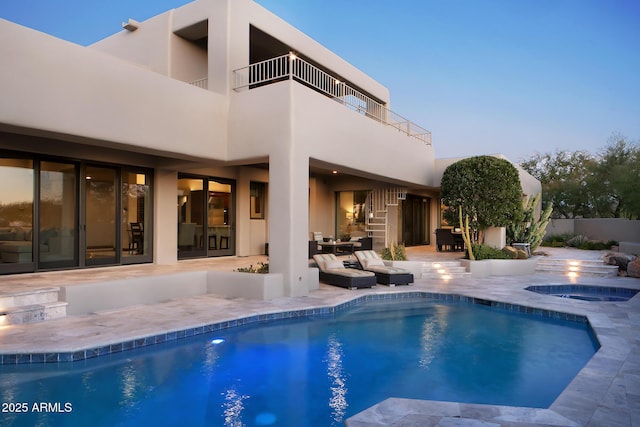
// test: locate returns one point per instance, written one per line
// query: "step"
(443, 270)
(30, 297)
(573, 267)
(33, 313)
(35, 305)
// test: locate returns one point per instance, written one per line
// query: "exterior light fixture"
(292, 56)
(131, 25)
(334, 172)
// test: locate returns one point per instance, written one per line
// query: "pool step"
(576, 267)
(443, 270)
(31, 306)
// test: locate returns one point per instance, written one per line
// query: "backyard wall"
(605, 229)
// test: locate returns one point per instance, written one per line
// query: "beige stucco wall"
(60, 88)
(261, 118)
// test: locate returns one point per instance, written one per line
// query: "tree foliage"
(565, 178)
(486, 188)
(582, 185)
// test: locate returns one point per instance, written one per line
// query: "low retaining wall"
(630, 248)
(500, 267)
(112, 294)
(234, 284)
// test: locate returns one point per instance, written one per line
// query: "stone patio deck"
(605, 393)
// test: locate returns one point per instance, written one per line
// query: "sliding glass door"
(136, 208)
(62, 214)
(101, 241)
(16, 215)
(206, 218)
(58, 215)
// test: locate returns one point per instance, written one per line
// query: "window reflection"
(136, 208)
(57, 211)
(16, 211)
(351, 216)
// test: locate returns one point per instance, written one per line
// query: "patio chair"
(136, 238)
(387, 275)
(444, 239)
(363, 243)
(333, 272)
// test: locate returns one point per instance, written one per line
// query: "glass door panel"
(16, 215)
(136, 215)
(220, 219)
(191, 217)
(58, 207)
(100, 215)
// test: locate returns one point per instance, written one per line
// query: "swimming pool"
(314, 372)
(585, 292)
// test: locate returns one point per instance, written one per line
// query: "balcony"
(291, 67)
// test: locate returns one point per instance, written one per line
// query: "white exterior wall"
(125, 94)
(62, 88)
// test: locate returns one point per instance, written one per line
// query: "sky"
(516, 77)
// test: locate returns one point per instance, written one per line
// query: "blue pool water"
(311, 372)
(586, 292)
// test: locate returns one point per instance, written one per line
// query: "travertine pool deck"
(605, 393)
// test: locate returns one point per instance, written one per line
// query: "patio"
(606, 392)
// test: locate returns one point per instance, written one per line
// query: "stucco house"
(209, 130)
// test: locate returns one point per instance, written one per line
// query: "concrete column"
(243, 223)
(289, 219)
(165, 217)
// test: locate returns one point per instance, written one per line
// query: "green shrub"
(394, 252)
(577, 241)
(262, 268)
(487, 252)
(557, 240)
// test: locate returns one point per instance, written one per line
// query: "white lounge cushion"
(387, 270)
(371, 262)
(333, 264)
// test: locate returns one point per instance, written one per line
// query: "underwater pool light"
(217, 341)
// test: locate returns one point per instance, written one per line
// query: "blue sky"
(485, 76)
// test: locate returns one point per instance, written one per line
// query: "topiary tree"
(485, 188)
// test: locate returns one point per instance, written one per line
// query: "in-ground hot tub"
(585, 292)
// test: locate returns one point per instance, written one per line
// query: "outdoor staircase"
(377, 213)
(31, 306)
(576, 267)
(443, 270)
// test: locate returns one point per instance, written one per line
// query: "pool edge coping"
(76, 355)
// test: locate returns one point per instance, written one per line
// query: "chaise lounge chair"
(370, 261)
(333, 272)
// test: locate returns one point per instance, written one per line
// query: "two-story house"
(208, 130)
